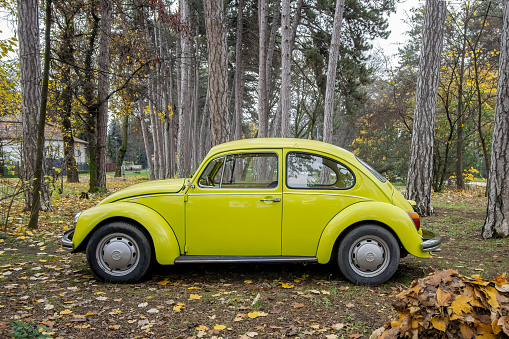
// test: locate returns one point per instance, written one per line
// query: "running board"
(199, 259)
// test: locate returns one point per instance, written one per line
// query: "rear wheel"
(119, 252)
(368, 254)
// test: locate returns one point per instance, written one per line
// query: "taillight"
(415, 219)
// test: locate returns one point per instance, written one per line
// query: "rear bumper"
(66, 240)
(431, 241)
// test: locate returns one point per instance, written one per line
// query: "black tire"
(368, 254)
(119, 252)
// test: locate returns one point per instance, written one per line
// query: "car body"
(257, 200)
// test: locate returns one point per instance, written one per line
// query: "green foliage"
(22, 329)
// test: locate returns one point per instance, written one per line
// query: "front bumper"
(66, 240)
(431, 241)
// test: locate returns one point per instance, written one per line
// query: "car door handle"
(274, 200)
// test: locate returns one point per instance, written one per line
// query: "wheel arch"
(158, 231)
(388, 216)
(350, 228)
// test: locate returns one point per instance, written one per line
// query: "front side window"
(211, 176)
(306, 170)
(250, 170)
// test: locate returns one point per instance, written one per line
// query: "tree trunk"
(103, 88)
(497, 212)
(38, 180)
(155, 139)
(123, 148)
(271, 48)
(328, 118)
(239, 85)
(218, 71)
(460, 115)
(281, 122)
(30, 67)
(67, 55)
(286, 76)
(196, 99)
(263, 104)
(419, 181)
(183, 156)
(146, 141)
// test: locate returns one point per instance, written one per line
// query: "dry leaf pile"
(447, 304)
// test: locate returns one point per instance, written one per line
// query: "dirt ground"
(42, 285)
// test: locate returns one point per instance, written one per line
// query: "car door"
(235, 206)
(317, 187)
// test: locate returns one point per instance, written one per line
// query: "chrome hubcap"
(117, 254)
(369, 256)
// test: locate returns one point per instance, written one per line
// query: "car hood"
(146, 188)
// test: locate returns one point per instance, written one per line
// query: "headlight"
(76, 217)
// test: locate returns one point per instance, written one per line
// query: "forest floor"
(43, 286)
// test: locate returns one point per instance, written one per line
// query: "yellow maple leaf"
(177, 308)
(438, 323)
(460, 304)
(219, 327)
(194, 297)
(202, 328)
(163, 282)
(491, 295)
(66, 311)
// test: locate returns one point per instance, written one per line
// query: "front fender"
(371, 211)
(165, 242)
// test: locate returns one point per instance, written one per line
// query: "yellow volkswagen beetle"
(256, 200)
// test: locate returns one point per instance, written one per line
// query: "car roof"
(304, 144)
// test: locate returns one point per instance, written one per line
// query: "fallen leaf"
(114, 327)
(194, 297)
(338, 326)
(163, 282)
(297, 305)
(286, 285)
(350, 305)
(66, 311)
(252, 315)
(438, 323)
(219, 327)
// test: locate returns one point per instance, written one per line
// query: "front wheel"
(119, 252)
(368, 254)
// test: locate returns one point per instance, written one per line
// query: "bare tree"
(497, 212)
(328, 118)
(419, 181)
(30, 66)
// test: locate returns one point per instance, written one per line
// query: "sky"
(397, 27)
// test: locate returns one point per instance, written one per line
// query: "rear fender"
(166, 245)
(364, 212)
